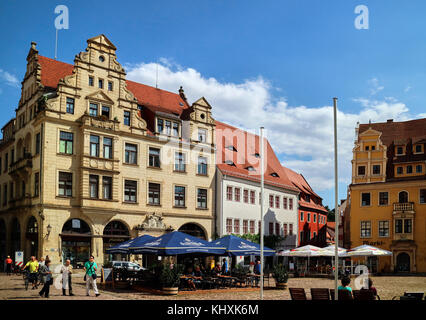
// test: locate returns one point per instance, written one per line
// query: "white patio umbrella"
(365, 251)
(330, 251)
(305, 251)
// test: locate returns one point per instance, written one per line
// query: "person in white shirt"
(66, 271)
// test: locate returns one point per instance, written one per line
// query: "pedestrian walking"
(66, 271)
(8, 265)
(32, 266)
(90, 268)
(47, 279)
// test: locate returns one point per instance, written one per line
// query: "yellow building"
(388, 194)
(93, 159)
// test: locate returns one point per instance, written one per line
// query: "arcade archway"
(193, 230)
(76, 239)
(114, 233)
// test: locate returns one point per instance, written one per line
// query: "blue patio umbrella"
(174, 243)
(236, 246)
(123, 247)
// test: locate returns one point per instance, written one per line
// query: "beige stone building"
(93, 159)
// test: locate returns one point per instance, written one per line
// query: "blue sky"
(281, 62)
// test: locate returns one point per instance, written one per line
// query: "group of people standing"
(39, 273)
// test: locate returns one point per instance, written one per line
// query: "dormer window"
(367, 148)
(160, 125)
(231, 148)
(230, 163)
(274, 174)
(250, 168)
(257, 155)
(176, 129)
(105, 111)
(308, 198)
(399, 150)
(418, 148)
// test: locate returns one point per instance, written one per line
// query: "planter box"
(121, 284)
(281, 286)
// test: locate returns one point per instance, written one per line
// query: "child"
(345, 284)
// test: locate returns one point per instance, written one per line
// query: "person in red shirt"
(8, 265)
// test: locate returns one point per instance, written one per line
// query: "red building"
(312, 214)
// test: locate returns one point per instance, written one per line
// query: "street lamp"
(49, 229)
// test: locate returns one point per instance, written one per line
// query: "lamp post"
(336, 205)
(261, 210)
(49, 229)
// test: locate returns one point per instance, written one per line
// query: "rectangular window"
(176, 129)
(285, 203)
(376, 169)
(70, 105)
(179, 196)
(202, 135)
(410, 169)
(399, 170)
(107, 188)
(94, 186)
(202, 166)
(277, 228)
(309, 217)
(271, 228)
(229, 194)
(12, 156)
(365, 229)
(237, 194)
(131, 153)
(93, 110)
(154, 157)
(5, 195)
(271, 201)
(408, 226)
(127, 118)
(277, 202)
(36, 184)
(285, 229)
(361, 170)
(245, 196)
(422, 195)
(290, 206)
(91, 81)
(6, 162)
(229, 226)
(94, 146)
(66, 142)
(383, 198)
(236, 226)
(398, 226)
(101, 83)
(419, 168)
(315, 217)
(245, 227)
(130, 190)
(202, 198)
(107, 148)
(180, 163)
(252, 196)
(365, 199)
(252, 231)
(168, 127)
(65, 184)
(109, 85)
(154, 193)
(399, 150)
(105, 112)
(302, 216)
(383, 228)
(160, 126)
(37, 144)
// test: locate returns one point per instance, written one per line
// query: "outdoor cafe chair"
(344, 295)
(320, 294)
(297, 294)
(417, 296)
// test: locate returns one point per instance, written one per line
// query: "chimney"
(390, 120)
(182, 94)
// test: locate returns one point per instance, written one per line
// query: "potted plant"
(280, 275)
(170, 278)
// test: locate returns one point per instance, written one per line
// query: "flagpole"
(261, 210)
(336, 200)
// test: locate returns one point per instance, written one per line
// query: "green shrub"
(280, 273)
(170, 277)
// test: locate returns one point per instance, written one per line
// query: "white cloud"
(407, 88)
(302, 135)
(375, 87)
(9, 78)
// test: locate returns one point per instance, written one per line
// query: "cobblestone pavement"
(12, 288)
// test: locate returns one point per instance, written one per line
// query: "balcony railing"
(403, 206)
(25, 162)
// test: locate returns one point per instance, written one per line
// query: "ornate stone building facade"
(93, 159)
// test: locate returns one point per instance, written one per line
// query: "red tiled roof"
(52, 71)
(247, 146)
(392, 131)
(154, 99)
(300, 182)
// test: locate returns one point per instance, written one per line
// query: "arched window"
(193, 230)
(76, 226)
(32, 226)
(403, 197)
